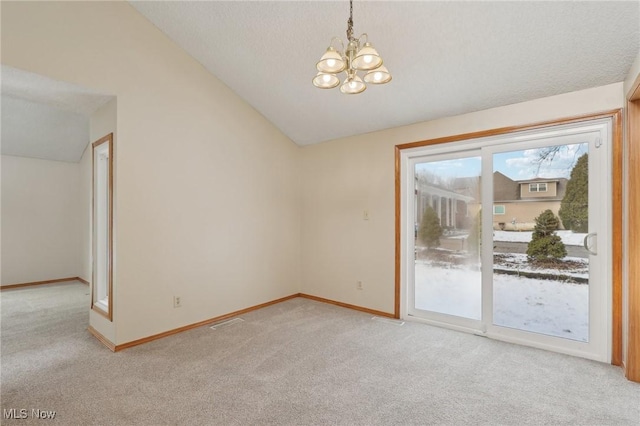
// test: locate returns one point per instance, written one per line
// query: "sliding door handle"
(591, 248)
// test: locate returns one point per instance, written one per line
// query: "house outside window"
(498, 209)
(538, 187)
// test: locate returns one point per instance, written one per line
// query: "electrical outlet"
(365, 215)
(359, 285)
(177, 301)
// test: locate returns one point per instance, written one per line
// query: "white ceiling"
(45, 118)
(446, 58)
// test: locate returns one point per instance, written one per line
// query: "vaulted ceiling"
(446, 58)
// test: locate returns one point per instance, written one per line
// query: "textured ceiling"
(446, 58)
(45, 118)
(35, 130)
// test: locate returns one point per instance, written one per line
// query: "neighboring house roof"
(539, 180)
(425, 187)
(504, 188)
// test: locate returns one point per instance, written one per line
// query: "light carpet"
(299, 362)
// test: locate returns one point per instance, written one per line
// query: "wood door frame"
(632, 167)
(108, 139)
(616, 236)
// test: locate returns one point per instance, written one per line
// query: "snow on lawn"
(543, 306)
(448, 290)
(568, 237)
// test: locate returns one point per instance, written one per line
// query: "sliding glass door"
(508, 238)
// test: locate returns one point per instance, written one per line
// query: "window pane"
(447, 221)
(540, 269)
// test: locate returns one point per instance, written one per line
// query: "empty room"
(320, 212)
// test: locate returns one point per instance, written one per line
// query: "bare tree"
(546, 155)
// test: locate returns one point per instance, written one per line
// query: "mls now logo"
(23, 413)
(14, 413)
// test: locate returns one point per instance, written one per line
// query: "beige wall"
(40, 215)
(344, 177)
(207, 197)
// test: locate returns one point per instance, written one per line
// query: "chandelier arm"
(338, 39)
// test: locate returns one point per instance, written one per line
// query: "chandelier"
(358, 56)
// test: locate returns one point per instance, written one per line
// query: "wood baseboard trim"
(83, 281)
(110, 345)
(58, 280)
(117, 348)
(200, 324)
(347, 305)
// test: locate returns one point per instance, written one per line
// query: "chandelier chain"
(350, 22)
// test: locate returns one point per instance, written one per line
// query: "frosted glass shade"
(379, 75)
(367, 58)
(331, 62)
(325, 81)
(352, 86)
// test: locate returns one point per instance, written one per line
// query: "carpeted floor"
(299, 362)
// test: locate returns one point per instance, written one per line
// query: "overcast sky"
(517, 165)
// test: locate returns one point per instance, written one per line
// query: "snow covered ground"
(549, 307)
(568, 237)
(453, 291)
(544, 306)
